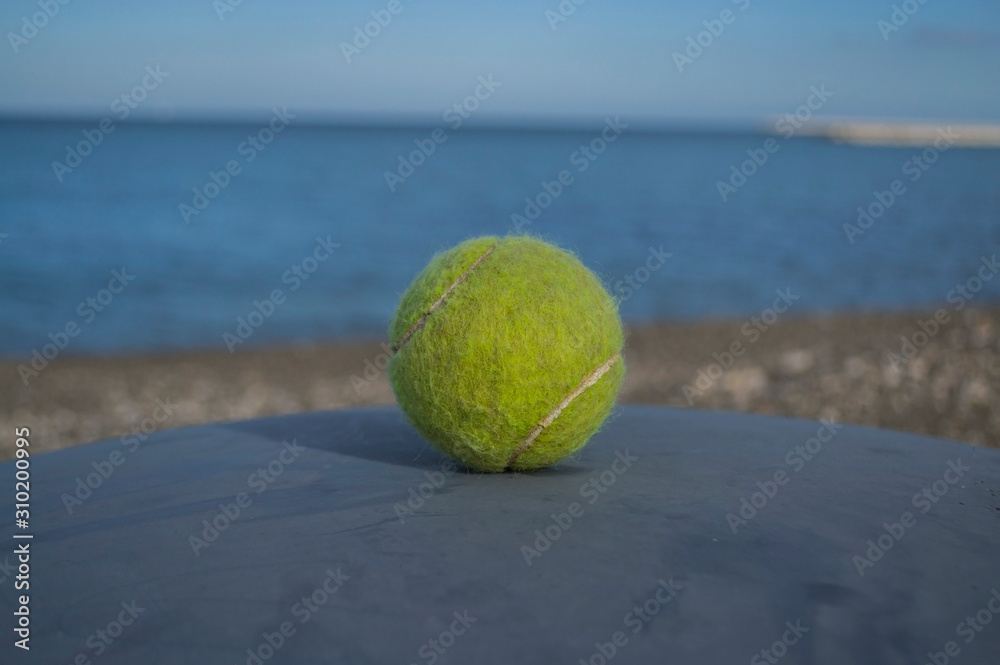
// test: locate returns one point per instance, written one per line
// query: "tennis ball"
(507, 353)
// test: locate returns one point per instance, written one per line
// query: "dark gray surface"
(664, 518)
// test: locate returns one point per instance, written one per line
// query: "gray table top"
(675, 536)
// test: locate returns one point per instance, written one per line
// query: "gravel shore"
(837, 367)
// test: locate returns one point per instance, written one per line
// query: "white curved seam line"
(588, 381)
(440, 301)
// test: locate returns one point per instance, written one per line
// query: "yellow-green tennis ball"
(507, 353)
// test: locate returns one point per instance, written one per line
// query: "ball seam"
(419, 323)
(588, 381)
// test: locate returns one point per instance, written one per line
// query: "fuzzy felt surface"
(514, 335)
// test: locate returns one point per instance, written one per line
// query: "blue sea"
(195, 244)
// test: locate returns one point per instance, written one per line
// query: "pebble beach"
(875, 369)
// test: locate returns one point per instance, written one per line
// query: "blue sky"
(607, 57)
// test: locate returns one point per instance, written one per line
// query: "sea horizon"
(741, 214)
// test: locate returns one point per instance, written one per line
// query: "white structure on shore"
(872, 133)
